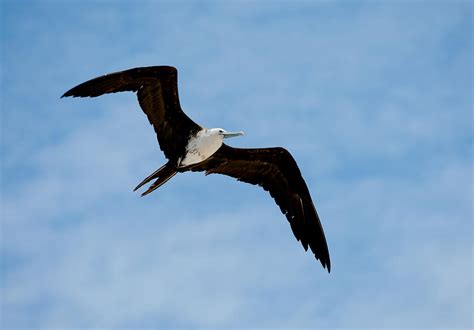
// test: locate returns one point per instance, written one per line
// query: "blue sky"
(373, 99)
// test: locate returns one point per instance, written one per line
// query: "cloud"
(97, 256)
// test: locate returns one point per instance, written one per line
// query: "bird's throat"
(200, 147)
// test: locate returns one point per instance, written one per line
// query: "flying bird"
(191, 147)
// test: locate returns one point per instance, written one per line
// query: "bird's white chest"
(201, 147)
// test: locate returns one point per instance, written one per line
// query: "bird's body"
(191, 147)
(203, 145)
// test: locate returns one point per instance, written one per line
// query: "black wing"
(276, 171)
(157, 92)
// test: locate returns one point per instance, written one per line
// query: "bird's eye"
(221, 131)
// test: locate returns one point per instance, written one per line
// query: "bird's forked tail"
(163, 174)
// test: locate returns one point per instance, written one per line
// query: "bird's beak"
(232, 134)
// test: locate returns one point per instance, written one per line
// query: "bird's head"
(223, 133)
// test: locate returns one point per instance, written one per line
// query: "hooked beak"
(232, 134)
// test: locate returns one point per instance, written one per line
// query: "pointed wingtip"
(325, 262)
(67, 94)
(74, 92)
(326, 265)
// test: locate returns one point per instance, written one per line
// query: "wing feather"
(157, 92)
(275, 170)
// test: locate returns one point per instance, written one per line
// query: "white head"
(223, 133)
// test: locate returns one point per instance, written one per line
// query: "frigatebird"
(191, 147)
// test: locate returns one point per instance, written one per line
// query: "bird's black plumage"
(157, 92)
(274, 169)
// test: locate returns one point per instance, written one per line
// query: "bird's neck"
(200, 147)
